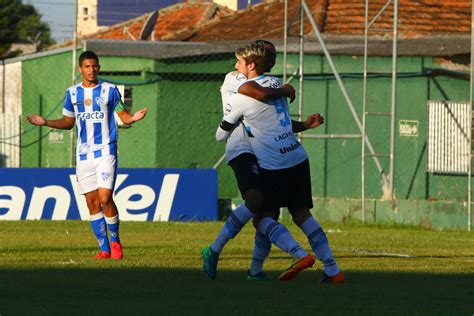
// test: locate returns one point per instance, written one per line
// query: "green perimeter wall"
(185, 109)
(45, 80)
(336, 163)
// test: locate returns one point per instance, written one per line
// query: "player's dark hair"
(88, 55)
(270, 54)
(265, 43)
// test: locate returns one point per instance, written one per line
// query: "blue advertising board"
(140, 194)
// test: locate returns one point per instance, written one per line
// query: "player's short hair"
(270, 54)
(88, 55)
(253, 53)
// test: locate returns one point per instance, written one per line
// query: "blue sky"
(59, 14)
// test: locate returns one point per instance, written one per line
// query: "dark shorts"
(290, 187)
(246, 172)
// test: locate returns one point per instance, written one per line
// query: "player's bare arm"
(256, 91)
(64, 123)
(128, 119)
(311, 122)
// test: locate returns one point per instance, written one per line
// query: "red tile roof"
(264, 20)
(415, 18)
(212, 22)
(174, 19)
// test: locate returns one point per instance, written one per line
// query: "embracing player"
(283, 166)
(242, 160)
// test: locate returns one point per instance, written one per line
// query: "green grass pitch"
(48, 268)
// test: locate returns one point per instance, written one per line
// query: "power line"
(53, 3)
(66, 25)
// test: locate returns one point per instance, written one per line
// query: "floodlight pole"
(74, 48)
(394, 96)
(364, 107)
(301, 66)
(4, 84)
(469, 171)
(74, 45)
(368, 24)
(344, 91)
(285, 41)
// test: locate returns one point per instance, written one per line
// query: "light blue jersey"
(96, 126)
(238, 141)
(269, 126)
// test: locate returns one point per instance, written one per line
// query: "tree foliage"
(21, 23)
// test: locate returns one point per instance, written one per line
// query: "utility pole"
(74, 49)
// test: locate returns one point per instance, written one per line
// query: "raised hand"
(314, 121)
(140, 114)
(36, 120)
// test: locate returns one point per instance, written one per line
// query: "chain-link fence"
(182, 95)
(361, 99)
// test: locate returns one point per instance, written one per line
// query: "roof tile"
(173, 19)
(212, 22)
(416, 18)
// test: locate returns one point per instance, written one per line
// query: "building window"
(85, 12)
(449, 129)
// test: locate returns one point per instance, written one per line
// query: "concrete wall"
(47, 79)
(10, 88)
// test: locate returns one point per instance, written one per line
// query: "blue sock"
(100, 231)
(239, 217)
(261, 251)
(320, 245)
(113, 226)
(280, 236)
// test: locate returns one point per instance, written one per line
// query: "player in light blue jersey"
(284, 168)
(241, 159)
(90, 106)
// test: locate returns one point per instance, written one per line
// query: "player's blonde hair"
(253, 53)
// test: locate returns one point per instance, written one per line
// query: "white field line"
(66, 262)
(376, 253)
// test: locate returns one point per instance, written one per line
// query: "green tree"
(9, 17)
(20, 23)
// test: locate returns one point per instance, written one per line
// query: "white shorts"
(96, 173)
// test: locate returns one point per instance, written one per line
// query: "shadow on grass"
(126, 291)
(33, 249)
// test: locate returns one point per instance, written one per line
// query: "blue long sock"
(100, 231)
(239, 217)
(261, 251)
(320, 245)
(113, 226)
(280, 236)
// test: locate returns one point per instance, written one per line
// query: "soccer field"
(46, 267)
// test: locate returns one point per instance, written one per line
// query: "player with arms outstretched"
(90, 105)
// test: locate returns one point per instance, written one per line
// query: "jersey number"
(280, 108)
